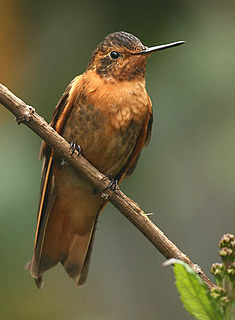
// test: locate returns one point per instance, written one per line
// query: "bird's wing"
(143, 140)
(58, 114)
(61, 111)
(46, 197)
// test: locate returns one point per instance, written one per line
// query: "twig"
(27, 115)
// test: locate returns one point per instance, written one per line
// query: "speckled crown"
(122, 39)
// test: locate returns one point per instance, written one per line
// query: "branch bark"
(27, 115)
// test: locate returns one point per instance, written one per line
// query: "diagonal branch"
(27, 115)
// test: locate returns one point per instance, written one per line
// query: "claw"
(74, 147)
(63, 162)
(112, 185)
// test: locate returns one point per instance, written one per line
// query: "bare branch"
(27, 115)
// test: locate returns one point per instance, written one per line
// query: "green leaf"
(194, 294)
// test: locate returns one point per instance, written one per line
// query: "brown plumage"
(108, 112)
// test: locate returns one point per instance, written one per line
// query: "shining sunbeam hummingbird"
(107, 113)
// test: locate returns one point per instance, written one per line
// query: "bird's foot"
(73, 148)
(112, 185)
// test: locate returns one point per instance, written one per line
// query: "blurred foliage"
(186, 176)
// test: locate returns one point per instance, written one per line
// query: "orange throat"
(121, 101)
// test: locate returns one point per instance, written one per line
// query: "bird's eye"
(114, 55)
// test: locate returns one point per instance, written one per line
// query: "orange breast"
(106, 120)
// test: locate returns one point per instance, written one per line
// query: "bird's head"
(122, 56)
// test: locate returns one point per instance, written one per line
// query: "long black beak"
(160, 47)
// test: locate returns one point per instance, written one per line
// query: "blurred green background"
(186, 176)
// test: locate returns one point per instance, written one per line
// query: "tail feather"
(85, 269)
(77, 262)
(71, 249)
(47, 252)
(75, 259)
(67, 231)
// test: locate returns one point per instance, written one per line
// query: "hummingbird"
(107, 116)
